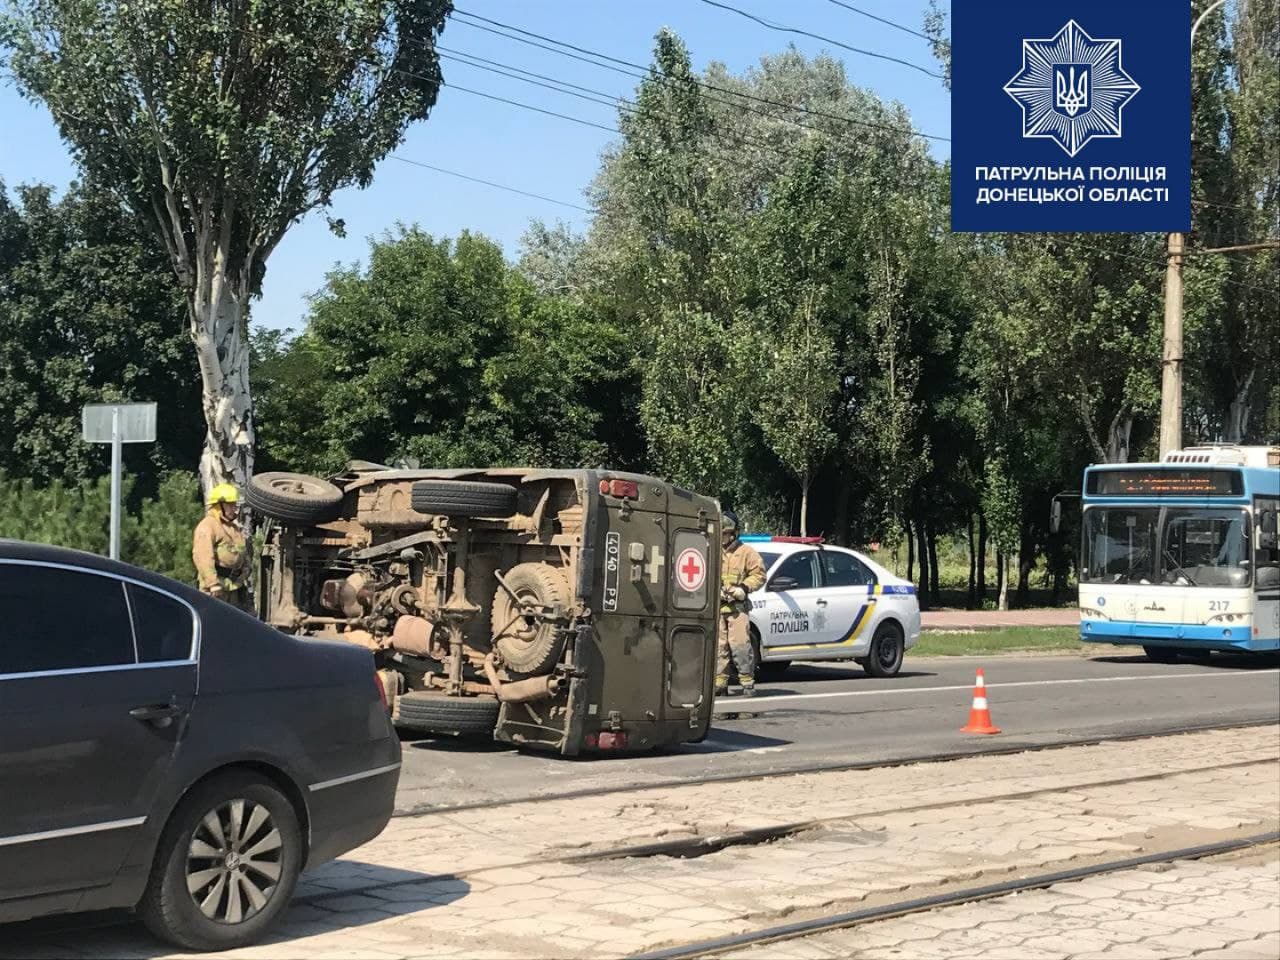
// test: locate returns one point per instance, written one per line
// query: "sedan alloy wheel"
(233, 861)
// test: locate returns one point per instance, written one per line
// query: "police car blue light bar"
(769, 538)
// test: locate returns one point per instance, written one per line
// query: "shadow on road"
(722, 740)
(444, 743)
(805, 673)
(1206, 658)
(323, 905)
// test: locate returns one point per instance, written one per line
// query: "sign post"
(118, 424)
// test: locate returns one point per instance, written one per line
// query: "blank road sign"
(137, 422)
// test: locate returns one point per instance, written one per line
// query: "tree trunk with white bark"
(222, 351)
(1238, 414)
(804, 504)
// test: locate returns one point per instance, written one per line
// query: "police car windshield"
(769, 558)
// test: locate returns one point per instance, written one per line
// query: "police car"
(828, 603)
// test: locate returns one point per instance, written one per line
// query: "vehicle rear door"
(795, 613)
(695, 600)
(631, 627)
(96, 676)
(848, 586)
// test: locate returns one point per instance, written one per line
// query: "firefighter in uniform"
(219, 550)
(741, 573)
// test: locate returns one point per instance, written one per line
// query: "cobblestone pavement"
(493, 882)
(1210, 910)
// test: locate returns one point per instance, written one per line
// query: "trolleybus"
(1181, 557)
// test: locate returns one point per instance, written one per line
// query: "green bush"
(155, 534)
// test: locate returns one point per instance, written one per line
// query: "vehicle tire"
(885, 658)
(773, 669)
(295, 497)
(463, 498)
(529, 645)
(188, 899)
(1161, 654)
(436, 713)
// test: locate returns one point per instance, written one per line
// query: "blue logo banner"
(1071, 115)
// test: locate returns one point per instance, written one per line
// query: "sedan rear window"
(61, 620)
(844, 570)
(164, 626)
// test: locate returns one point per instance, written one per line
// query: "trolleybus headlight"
(1089, 613)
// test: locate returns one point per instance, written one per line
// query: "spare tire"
(463, 498)
(296, 497)
(527, 644)
(431, 712)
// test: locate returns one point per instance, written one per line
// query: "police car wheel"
(773, 668)
(885, 658)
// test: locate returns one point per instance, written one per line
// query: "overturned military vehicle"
(564, 610)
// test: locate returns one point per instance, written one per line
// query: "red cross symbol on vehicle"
(692, 569)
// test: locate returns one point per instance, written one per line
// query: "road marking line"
(761, 701)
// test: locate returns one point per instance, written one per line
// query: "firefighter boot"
(722, 685)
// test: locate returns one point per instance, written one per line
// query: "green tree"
(441, 352)
(221, 126)
(800, 231)
(88, 313)
(668, 232)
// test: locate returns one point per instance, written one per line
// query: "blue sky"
(540, 154)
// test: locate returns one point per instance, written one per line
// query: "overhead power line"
(492, 183)
(641, 72)
(528, 76)
(892, 23)
(783, 28)
(530, 106)
(733, 140)
(589, 93)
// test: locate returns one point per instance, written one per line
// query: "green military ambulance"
(564, 610)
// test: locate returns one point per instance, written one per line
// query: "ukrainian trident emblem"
(1071, 88)
(1070, 96)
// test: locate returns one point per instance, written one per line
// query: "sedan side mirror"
(778, 584)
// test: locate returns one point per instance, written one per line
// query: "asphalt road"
(820, 714)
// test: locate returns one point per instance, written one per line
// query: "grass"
(955, 643)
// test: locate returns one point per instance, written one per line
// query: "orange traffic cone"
(980, 715)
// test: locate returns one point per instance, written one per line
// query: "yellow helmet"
(224, 493)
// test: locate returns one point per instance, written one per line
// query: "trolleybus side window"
(1267, 558)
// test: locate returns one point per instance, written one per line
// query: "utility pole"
(1171, 356)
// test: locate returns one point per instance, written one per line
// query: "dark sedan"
(164, 752)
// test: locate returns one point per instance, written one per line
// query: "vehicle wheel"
(295, 497)
(436, 713)
(773, 668)
(463, 498)
(885, 659)
(529, 644)
(1161, 654)
(226, 865)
